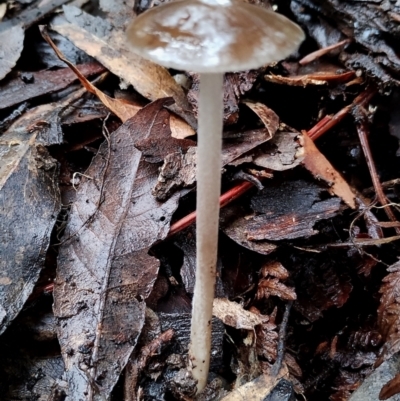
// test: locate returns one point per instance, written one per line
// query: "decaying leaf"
(44, 375)
(180, 324)
(179, 128)
(266, 115)
(319, 166)
(11, 45)
(256, 390)
(235, 86)
(31, 85)
(123, 110)
(186, 241)
(266, 336)
(283, 211)
(104, 272)
(274, 269)
(232, 223)
(233, 314)
(282, 152)
(389, 313)
(110, 48)
(179, 169)
(29, 204)
(322, 285)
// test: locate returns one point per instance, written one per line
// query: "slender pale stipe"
(208, 192)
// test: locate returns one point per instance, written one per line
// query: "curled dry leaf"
(389, 313)
(323, 78)
(110, 49)
(105, 272)
(11, 45)
(233, 314)
(319, 166)
(268, 117)
(322, 52)
(119, 107)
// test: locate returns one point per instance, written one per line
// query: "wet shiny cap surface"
(213, 35)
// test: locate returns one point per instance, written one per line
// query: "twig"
(276, 367)
(329, 122)
(224, 199)
(363, 132)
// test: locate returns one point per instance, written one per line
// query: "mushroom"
(210, 37)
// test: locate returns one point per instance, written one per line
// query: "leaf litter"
(291, 232)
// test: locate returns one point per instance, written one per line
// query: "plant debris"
(97, 211)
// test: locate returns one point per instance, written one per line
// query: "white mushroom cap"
(213, 35)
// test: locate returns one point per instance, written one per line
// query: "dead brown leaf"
(104, 270)
(120, 108)
(315, 162)
(268, 117)
(282, 152)
(110, 48)
(179, 169)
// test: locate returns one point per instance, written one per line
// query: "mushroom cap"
(213, 35)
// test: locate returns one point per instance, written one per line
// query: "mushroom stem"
(208, 192)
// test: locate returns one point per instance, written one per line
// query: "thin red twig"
(363, 131)
(329, 122)
(224, 199)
